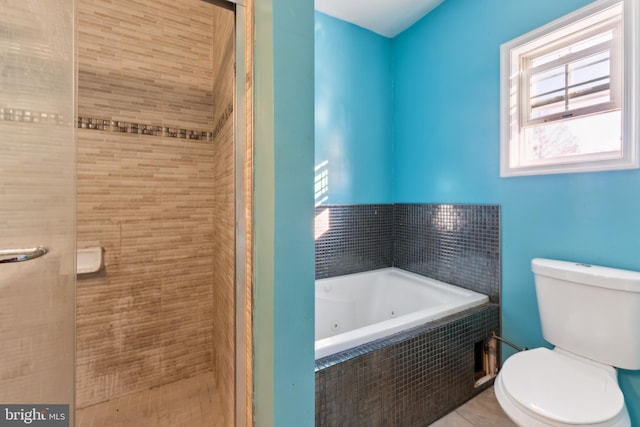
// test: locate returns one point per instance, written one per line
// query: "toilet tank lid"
(593, 275)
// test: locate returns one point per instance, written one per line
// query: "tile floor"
(194, 402)
(191, 402)
(481, 411)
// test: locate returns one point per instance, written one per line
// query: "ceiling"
(385, 17)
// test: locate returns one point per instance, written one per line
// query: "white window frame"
(624, 91)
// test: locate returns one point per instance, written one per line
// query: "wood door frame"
(244, 213)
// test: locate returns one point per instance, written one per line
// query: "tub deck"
(358, 308)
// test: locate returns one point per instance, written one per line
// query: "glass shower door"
(37, 208)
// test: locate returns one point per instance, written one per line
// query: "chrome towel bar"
(19, 255)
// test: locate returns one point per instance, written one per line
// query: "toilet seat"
(557, 388)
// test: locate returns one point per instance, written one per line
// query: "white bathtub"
(358, 308)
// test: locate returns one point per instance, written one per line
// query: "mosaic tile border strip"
(28, 116)
(108, 125)
(119, 126)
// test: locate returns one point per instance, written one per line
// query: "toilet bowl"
(543, 387)
(591, 315)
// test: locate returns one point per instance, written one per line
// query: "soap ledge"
(89, 260)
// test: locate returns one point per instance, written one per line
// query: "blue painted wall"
(446, 150)
(353, 110)
(283, 205)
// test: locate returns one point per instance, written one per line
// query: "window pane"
(576, 47)
(589, 81)
(593, 67)
(600, 133)
(588, 99)
(585, 81)
(547, 81)
(547, 92)
(552, 103)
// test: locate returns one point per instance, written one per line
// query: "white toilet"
(592, 316)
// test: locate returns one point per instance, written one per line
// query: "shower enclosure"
(117, 131)
(37, 203)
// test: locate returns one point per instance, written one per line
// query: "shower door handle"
(19, 255)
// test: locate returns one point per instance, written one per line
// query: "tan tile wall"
(149, 318)
(146, 61)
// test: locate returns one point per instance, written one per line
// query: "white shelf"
(89, 260)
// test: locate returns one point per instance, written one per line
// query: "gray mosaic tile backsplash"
(359, 238)
(457, 244)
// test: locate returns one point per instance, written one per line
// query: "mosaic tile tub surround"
(457, 244)
(410, 379)
(416, 376)
(359, 238)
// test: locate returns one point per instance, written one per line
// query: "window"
(569, 93)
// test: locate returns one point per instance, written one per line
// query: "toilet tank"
(590, 311)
